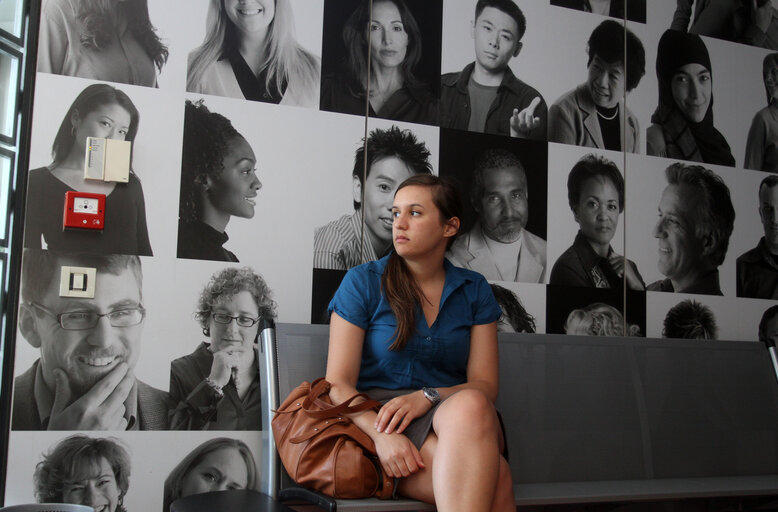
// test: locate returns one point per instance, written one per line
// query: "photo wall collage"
(605, 192)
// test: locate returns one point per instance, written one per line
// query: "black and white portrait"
(110, 41)
(594, 114)
(753, 23)
(218, 464)
(218, 181)
(141, 214)
(762, 144)
(690, 320)
(521, 310)
(250, 50)
(103, 111)
(383, 59)
(595, 312)
(632, 10)
(757, 268)
(88, 348)
(595, 195)
(216, 387)
(483, 86)
(696, 219)
(92, 471)
(504, 226)
(386, 158)
(682, 124)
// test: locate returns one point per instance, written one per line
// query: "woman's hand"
(225, 364)
(396, 414)
(398, 456)
(625, 271)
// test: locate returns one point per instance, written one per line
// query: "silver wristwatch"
(432, 395)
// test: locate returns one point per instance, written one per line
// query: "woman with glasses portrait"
(216, 387)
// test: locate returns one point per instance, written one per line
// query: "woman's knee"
(468, 408)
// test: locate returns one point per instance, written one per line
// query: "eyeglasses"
(243, 321)
(82, 320)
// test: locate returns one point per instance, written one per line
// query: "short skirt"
(419, 429)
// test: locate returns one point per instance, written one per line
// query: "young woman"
(102, 39)
(218, 464)
(595, 191)
(217, 386)
(100, 110)
(218, 180)
(84, 470)
(393, 40)
(683, 122)
(250, 52)
(762, 144)
(420, 335)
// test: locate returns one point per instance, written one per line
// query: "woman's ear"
(575, 215)
(451, 227)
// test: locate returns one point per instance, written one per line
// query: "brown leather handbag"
(322, 449)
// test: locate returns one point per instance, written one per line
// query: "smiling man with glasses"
(84, 379)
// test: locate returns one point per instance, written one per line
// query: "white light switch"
(77, 282)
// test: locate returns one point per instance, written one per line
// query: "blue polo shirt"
(435, 356)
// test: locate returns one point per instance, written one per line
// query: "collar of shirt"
(44, 400)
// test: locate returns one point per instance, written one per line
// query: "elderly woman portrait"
(696, 218)
(683, 121)
(762, 144)
(217, 386)
(389, 33)
(690, 320)
(250, 52)
(84, 470)
(595, 192)
(218, 181)
(100, 39)
(103, 111)
(594, 114)
(219, 464)
(598, 319)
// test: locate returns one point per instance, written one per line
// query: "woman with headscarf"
(762, 145)
(683, 122)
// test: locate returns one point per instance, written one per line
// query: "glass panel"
(6, 175)
(10, 61)
(11, 25)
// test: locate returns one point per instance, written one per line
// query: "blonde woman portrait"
(250, 52)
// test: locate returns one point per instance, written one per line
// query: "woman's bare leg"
(464, 468)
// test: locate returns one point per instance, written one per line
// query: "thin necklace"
(611, 118)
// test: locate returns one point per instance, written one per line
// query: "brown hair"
(401, 290)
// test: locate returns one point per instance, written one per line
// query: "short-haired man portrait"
(768, 325)
(486, 96)
(757, 269)
(696, 218)
(690, 320)
(498, 246)
(84, 379)
(391, 157)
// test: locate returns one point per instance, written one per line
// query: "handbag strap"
(319, 387)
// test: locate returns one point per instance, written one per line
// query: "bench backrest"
(587, 409)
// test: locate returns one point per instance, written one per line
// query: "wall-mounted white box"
(107, 159)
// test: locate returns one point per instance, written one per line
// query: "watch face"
(85, 205)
